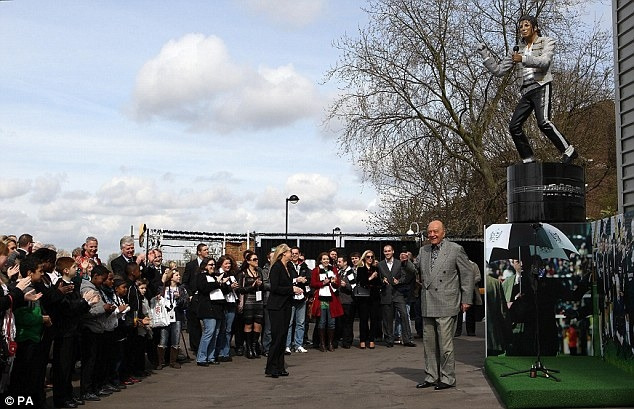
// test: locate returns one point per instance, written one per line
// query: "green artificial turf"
(585, 382)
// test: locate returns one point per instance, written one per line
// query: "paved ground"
(354, 378)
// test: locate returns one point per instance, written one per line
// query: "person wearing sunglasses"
(251, 305)
(368, 298)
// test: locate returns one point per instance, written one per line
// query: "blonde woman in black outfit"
(279, 306)
(369, 299)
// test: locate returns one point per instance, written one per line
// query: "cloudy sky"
(190, 115)
(198, 115)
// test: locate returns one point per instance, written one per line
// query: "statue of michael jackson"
(534, 57)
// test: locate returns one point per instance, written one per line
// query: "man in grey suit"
(447, 281)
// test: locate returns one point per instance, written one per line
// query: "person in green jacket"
(27, 376)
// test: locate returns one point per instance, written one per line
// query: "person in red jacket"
(326, 305)
(573, 338)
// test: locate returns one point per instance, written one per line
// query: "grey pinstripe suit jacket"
(449, 284)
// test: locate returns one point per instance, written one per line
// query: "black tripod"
(538, 366)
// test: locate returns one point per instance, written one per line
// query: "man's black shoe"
(112, 388)
(424, 385)
(202, 363)
(103, 392)
(272, 375)
(409, 344)
(68, 404)
(213, 363)
(78, 401)
(90, 397)
(442, 385)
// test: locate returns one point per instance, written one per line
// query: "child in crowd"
(65, 316)
(135, 350)
(27, 377)
(144, 331)
(175, 298)
(120, 287)
(106, 359)
(92, 326)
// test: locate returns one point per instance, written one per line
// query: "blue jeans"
(398, 322)
(224, 337)
(170, 335)
(207, 345)
(326, 318)
(266, 332)
(298, 316)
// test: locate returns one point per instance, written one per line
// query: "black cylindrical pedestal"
(546, 192)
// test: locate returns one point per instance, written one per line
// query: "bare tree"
(427, 124)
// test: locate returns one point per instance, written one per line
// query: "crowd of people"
(122, 322)
(555, 288)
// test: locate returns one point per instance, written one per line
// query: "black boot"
(249, 349)
(331, 337)
(255, 344)
(322, 339)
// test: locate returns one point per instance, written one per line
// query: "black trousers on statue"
(537, 100)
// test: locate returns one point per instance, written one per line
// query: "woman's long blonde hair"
(362, 260)
(279, 250)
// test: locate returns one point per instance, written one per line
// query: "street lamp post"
(416, 233)
(411, 232)
(336, 230)
(293, 199)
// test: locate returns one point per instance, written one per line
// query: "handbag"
(360, 291)
(158, 314)
(312, 307)
(8, 345)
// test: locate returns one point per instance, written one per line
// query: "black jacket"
(66, 312)
(208, 308)
(281, 287)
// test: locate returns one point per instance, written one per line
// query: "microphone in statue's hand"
(481, 50)
(516, 57)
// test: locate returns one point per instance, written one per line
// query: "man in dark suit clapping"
(395, 275)
(118, 265)
(447, 281)
(194, 330)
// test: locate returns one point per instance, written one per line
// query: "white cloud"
(47, 187)
(315, 191)
(294, 12)
(12, 188)
(194, 81)
(270, 199)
